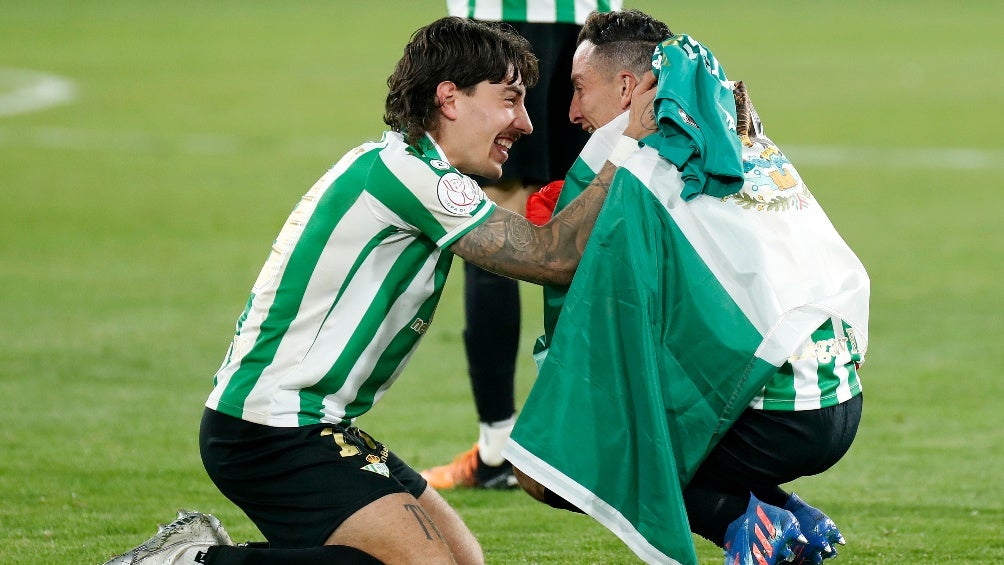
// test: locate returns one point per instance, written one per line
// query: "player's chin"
(491, 171)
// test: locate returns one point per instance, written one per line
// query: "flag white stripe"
(586, 501)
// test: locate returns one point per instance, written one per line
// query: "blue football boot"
(764, 535)
(818, 528)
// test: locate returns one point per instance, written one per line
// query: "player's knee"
(530, 486)
(542, 493)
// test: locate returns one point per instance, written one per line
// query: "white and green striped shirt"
(350, 286)
(535, 11)
(822, 373)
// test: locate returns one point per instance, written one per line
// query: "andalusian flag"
(683, 306)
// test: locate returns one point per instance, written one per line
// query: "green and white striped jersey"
(535, 11)
(350, 286)
(822, 373)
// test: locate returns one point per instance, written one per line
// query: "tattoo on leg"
(424, 521)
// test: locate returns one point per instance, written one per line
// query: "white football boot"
(181, 541)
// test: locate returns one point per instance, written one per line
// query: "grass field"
(134, 217)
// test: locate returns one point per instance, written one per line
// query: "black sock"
(711, 511)
(775, 496)
(491, 341)
(255, 554)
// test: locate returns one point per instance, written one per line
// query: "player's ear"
(627, 82)
(446, 99)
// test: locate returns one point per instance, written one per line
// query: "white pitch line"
(23, 91)
(80, 139)
(954, 158)
(202, 144)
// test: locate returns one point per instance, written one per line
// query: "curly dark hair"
(458, 50)
(624, 39)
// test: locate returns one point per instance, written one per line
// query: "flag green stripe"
(650, 351)
(782, 387)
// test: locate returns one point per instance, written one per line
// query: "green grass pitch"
(134, 218)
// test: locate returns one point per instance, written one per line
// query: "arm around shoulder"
(510, 245)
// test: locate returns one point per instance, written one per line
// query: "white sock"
(492, 439)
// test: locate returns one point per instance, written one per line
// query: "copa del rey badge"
(459, 194)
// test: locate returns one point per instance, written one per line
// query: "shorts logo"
(378, 468)
(459, 194)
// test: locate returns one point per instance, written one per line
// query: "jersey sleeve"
(429, 196)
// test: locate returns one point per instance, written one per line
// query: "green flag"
(681, 309)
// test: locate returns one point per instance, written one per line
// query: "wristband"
(623, 149)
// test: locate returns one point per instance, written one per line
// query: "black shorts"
(299, 484)
(766, 448)
(550, 150)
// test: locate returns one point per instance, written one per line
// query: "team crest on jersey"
(459, 194)
(439, 164)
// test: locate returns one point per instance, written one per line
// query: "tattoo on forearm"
(520, 233)
(508, 244)
(424, 521)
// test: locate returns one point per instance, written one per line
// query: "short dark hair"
(624, 39)
(458, 50)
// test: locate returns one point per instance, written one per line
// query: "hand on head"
(642, 113)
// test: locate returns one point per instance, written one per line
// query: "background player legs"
(491, 341)
(492, 303)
